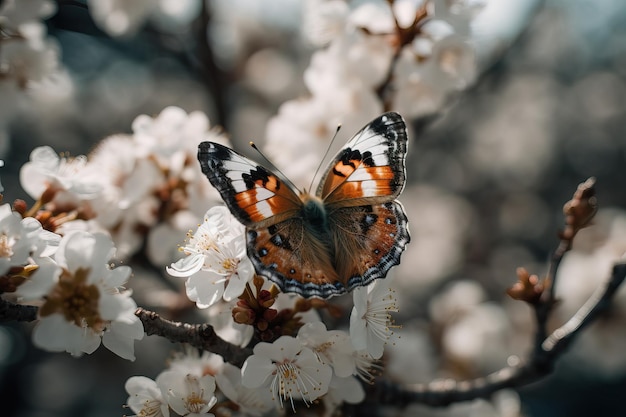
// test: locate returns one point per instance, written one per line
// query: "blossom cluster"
(316, 363)
(131, 191)
(82, 300)
(141, 188)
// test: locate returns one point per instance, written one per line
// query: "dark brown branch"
(201, 336)
(16, 312)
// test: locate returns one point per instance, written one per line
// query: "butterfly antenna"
(274, 167)
(325, 155)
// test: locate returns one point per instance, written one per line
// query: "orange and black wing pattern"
(371, 166)
(255, 195)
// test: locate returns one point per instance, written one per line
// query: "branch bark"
(201, 336)
(16, 312)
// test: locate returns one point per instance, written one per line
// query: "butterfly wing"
(369, 229)
(278, 243)
(254, 195)
(368, 241)
(370, 168)
(296, 260)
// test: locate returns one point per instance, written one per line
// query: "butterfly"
(351, 232)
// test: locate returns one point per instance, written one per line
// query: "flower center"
(288, 370)
(75, 299)
(151, 408)
(194, 402)
(205, 242)
(323, 347)
(6, 246)
(230, 264)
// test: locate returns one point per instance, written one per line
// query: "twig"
(578, 212)
(540, 364)
(598, 302)
(404, 36)
(201, 336)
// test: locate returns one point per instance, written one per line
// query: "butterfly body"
(349, 233)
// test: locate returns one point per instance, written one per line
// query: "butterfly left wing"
(254, 195)
(371, 166)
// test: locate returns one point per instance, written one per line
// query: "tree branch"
(16, 312)
(201, 336)
(541, 363)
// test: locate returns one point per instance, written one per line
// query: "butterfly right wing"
(370, 168)
(253, 194)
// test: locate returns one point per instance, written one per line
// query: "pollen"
(230, 264)
(75, 299)
(195, 402)
(6, 246)
(323, 347)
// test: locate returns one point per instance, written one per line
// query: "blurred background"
(487, 179)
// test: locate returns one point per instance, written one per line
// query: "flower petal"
(256, 370)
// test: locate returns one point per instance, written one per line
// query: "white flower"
(367, 368)
(353, 61)
(24, 244)
(29, 60)
(347, 389)
(324, 20)
(14, 13)
(124, 18)
(188, 394)
(18, 240)
(459, 14)
(172, 131)
(119, 17)
(191, 361)
(456, 300)
(481, 338)
(220, 316)
(305, 128)
(127, 202)
(251, 401)
(86, 306)
(46, 170)
(216, 265)
(331, 347)
(290, 370)
(145, 397)
(370, 321)
(28, 57)
(152, 183)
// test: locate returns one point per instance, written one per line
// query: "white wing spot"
(264, 208)
(360, 175)
(369, 188)
(263, 193)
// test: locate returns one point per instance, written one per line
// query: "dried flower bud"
(580, 210)
(528, 288)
